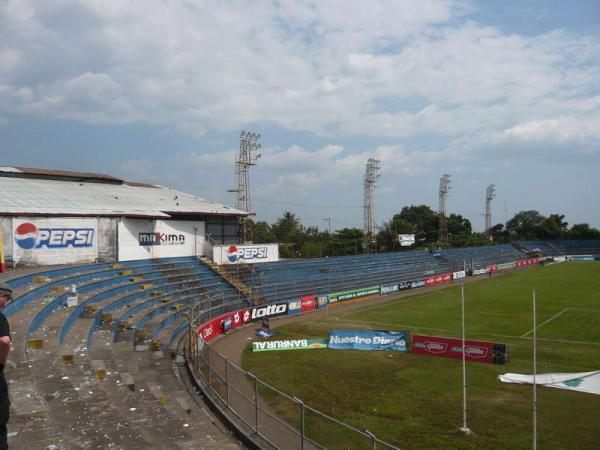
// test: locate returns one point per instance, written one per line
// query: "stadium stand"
(560, 248)
(69, 394)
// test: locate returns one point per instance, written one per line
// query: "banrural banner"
(295, 344)
(368, 340)
(356, 293)
(480, 271)
(488, 352)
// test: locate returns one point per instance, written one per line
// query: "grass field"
(415, 401)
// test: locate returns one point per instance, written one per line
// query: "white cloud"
(303, 65)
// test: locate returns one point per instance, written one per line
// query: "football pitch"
(415, 401)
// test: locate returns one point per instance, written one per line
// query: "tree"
(525, 225)
(583, 231)
(262, 233)
(553, 227)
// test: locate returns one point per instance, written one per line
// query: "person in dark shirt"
(5, 298)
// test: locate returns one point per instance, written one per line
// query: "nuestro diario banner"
(368, 340)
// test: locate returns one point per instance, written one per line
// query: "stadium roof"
(60, 193)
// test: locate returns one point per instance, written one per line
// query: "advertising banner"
(480, 271)
(260, 312)
(458, 275)
(322, 301)
(488, 352)
(368, 340)
(295, 344)
(308, 302)
(406, 240)
(54, 241)
(580, 258)
(390, 289)
(245, 254)
(356, 293)
(506, 266)
(143, 238)
(417, 284)
(220, 324)
(491, 267)
(294, 307)
(438, 279)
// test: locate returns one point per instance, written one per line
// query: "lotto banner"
(368, 340)
(438, 279)
(480, 351)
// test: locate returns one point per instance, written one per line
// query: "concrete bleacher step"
(70, 398)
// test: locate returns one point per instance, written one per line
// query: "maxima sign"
(245, 254)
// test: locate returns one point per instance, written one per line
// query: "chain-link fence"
(261, 410)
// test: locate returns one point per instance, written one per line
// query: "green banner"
(509, 265)
(356, 293)
(292, 344)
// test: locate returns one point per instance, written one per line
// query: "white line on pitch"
(544, 323)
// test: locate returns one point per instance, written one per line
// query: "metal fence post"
(256, 403)
(208, 365)
(301, 421)
(373, 438)
(226, 384)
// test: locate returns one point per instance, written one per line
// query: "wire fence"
(258, 409)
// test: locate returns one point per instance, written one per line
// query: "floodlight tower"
(490, 193)
(444, 188)
(249, 154)
(371, 176)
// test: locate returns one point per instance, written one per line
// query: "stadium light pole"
(464, 429)
(534, 406)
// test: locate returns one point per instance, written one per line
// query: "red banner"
(220, 325)
(308, 302)
(438, 279)
(491, 267)
(488, 352)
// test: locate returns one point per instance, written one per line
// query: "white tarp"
(245, 254)
(581, 381)
(57, 240)
(406, 240)
(142, 239)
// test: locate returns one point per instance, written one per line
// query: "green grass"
(415, 401)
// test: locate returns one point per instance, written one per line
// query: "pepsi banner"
(480, 351)
(245, 254)
(54, 241)
(367, 340)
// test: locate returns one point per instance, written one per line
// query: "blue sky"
(158, 91)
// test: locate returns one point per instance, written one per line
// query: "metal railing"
(262, 411)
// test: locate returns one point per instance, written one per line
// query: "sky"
(504, 93)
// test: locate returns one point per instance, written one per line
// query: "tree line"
(296, 240)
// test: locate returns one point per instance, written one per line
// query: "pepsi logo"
(232, 253)
(26, 236)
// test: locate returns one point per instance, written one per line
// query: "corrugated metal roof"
(59, 197)
(60, 174)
